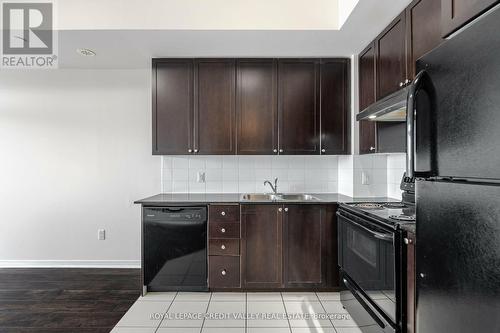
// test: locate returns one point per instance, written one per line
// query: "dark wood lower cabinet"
(261, 246)
(303, 246)
(410, 283)
(224, 271)
(288, 246)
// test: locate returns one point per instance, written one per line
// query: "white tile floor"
(182, 312)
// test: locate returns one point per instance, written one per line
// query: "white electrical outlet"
(200, 177)
(101, 234)
(365, 180)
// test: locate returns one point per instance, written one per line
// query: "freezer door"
(458, 132)
(458, 257)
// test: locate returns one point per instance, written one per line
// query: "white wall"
(198, 15)
(75, 153)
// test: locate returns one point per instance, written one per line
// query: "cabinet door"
(304, 246)
(298, 107)
(215, 107)
(256, 105)
(367, 85)
(391, 57)
(261, 246)
(423, 22)
(456, 13)
(172, 106)
(335, 106)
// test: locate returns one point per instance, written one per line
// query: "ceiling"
(133, 48)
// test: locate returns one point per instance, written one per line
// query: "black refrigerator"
(454, 157)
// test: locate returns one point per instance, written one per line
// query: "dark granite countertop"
(206, 198)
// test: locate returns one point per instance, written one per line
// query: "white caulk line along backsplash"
(296, 174)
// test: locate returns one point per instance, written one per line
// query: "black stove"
(371, 260)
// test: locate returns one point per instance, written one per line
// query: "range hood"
(390, 108)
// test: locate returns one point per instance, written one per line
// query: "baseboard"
(70, 263)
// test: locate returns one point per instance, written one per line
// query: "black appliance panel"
(465, 76)
(361, 308)
(175, 248)
(458, 257)
(367, 256)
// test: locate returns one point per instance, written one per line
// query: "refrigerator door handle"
(411, 113)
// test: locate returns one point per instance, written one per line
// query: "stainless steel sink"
(278, 197)
(298, 197)
(260, 197)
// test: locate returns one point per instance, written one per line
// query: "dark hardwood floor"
(68, 300)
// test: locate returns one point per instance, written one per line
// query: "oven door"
(367, 262)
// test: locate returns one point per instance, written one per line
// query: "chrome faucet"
(273, 188)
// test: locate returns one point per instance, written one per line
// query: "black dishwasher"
(174, 248)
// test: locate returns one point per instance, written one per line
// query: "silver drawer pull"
(223, 213)
(150, 215)
(223, 272)
(223, 246)
(223, 230)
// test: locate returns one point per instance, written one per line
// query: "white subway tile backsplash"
(296, 174)
(180, 174)
(213, 162)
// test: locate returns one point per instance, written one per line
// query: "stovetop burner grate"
(407, 218)
(394, 205)
(369, 206)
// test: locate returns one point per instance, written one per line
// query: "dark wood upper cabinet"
(172, 104)
(367, 96)
(215, 115)
(303, 246)
(457, 13)
(250, 106)
(390, 48)
(423, 23)
(335, 122)
(261, 246)
(298, 106)
(256, 105)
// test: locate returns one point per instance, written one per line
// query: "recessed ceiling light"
(372, 117)
(86, 52)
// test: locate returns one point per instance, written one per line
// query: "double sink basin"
(278, 197)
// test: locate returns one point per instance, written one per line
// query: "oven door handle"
(363, 303)
(378, 235)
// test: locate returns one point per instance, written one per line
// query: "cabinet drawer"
(224, 213)
(224, 247)
(223, 272)
(223, 230)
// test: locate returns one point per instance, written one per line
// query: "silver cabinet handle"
(223, 246)
(196, 150)
(275, 150)
(400, 84)
(223, 213)
(372, 148)
(280, 209)
(190, 150)
(223, 272)
(286, 209)
(408, 241)
(323, 150)
(281, 150)
(223, 230)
